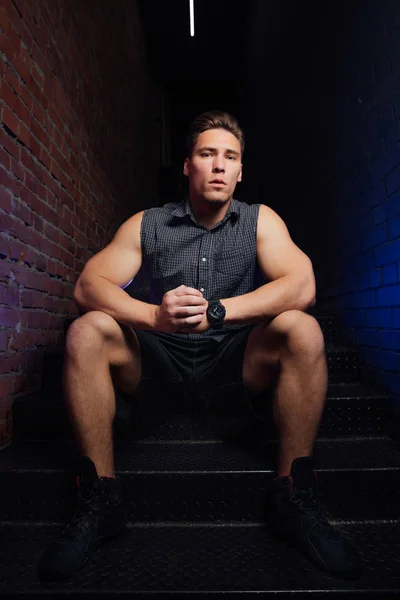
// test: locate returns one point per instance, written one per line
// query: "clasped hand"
(182, 310)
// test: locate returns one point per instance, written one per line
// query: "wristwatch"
(216, 313)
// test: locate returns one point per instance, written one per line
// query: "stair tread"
(168, 559)
(349, 390)
(330, 454)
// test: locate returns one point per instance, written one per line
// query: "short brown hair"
(213, 119)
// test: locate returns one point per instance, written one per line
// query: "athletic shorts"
(198, 370)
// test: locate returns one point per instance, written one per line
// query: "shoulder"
(242, 207)
(162, 212)
(270, 223)
(245, 210)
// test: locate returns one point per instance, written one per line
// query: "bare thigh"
(261, 363)
(119, 342)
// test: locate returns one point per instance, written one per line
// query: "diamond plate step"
(351, 409)
(183, 560)
(342, 366)
(201, 482)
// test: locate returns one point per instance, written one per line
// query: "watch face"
(217, 312)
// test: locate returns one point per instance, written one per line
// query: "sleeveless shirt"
(221, 262)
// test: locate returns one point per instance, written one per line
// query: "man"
(202, 315)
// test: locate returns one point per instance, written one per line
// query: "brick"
(396, 317)
(8, 96)
(8, 317)
(26, 95)
(382, 359)
(35, 280)
(385, 120)
(5, 159)
(24, 134)
(10, 361)
(363, 282)
(389, 273)
(388, 295)
(394, 228)
(21, 111)
(378, 215)
(378, 317)
(9, 144)
(4, 335)
(393, 181)
(16, 169)
(27, 382)
(9, 296)
(392, 381)
(363, 299)
(6, 385)
(390, 339)
(32, 299)
(375, 278)
(41, 134)
(376, 152)
(374, 238)
(36, 320)
(9, 118)
(387, 253)
(396, 104)
(392, 136)
(383, 168)
(367, 337)
(374, 196)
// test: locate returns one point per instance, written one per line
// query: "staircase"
(196, 484)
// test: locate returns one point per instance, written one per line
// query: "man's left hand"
(204, 325)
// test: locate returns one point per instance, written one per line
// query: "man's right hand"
(180, 307)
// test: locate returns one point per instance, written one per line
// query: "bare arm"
(100, 284)
(290, 271)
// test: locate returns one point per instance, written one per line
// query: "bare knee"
(89, 331)
(301, 331)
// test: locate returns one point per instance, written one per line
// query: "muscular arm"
(100, 284)
(290, 271)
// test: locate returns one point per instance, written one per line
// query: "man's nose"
(219, 164)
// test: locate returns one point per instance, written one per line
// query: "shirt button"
(204, 259)
(202, 289)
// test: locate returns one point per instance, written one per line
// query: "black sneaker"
(101, 515)
(300, 519)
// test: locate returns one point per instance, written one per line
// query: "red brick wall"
(78, 155)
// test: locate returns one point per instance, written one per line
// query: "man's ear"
(240, 174)
(186, 166)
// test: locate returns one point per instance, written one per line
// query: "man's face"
(215, 166)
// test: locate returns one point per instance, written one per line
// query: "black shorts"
(199, 370)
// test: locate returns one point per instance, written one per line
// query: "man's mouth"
(218, 182)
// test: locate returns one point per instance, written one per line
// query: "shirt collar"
(184, 209)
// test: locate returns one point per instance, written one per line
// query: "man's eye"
(231, 157)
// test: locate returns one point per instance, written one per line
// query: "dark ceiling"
(211, 55)
(271, 63)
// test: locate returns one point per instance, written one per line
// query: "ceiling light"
(191, 9)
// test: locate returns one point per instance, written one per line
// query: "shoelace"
(306, 501)
(87, 507)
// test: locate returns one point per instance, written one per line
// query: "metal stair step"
(341, 360)
(154, 560)
(202, 481)
(351, 409)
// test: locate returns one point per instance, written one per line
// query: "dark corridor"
(95, 101)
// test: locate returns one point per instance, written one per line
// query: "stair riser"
(342, 368)
(342, 418)
(243, 595)
(179, 497)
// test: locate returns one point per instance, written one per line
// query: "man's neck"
(208, 214)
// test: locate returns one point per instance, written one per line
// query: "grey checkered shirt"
(220, 262)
